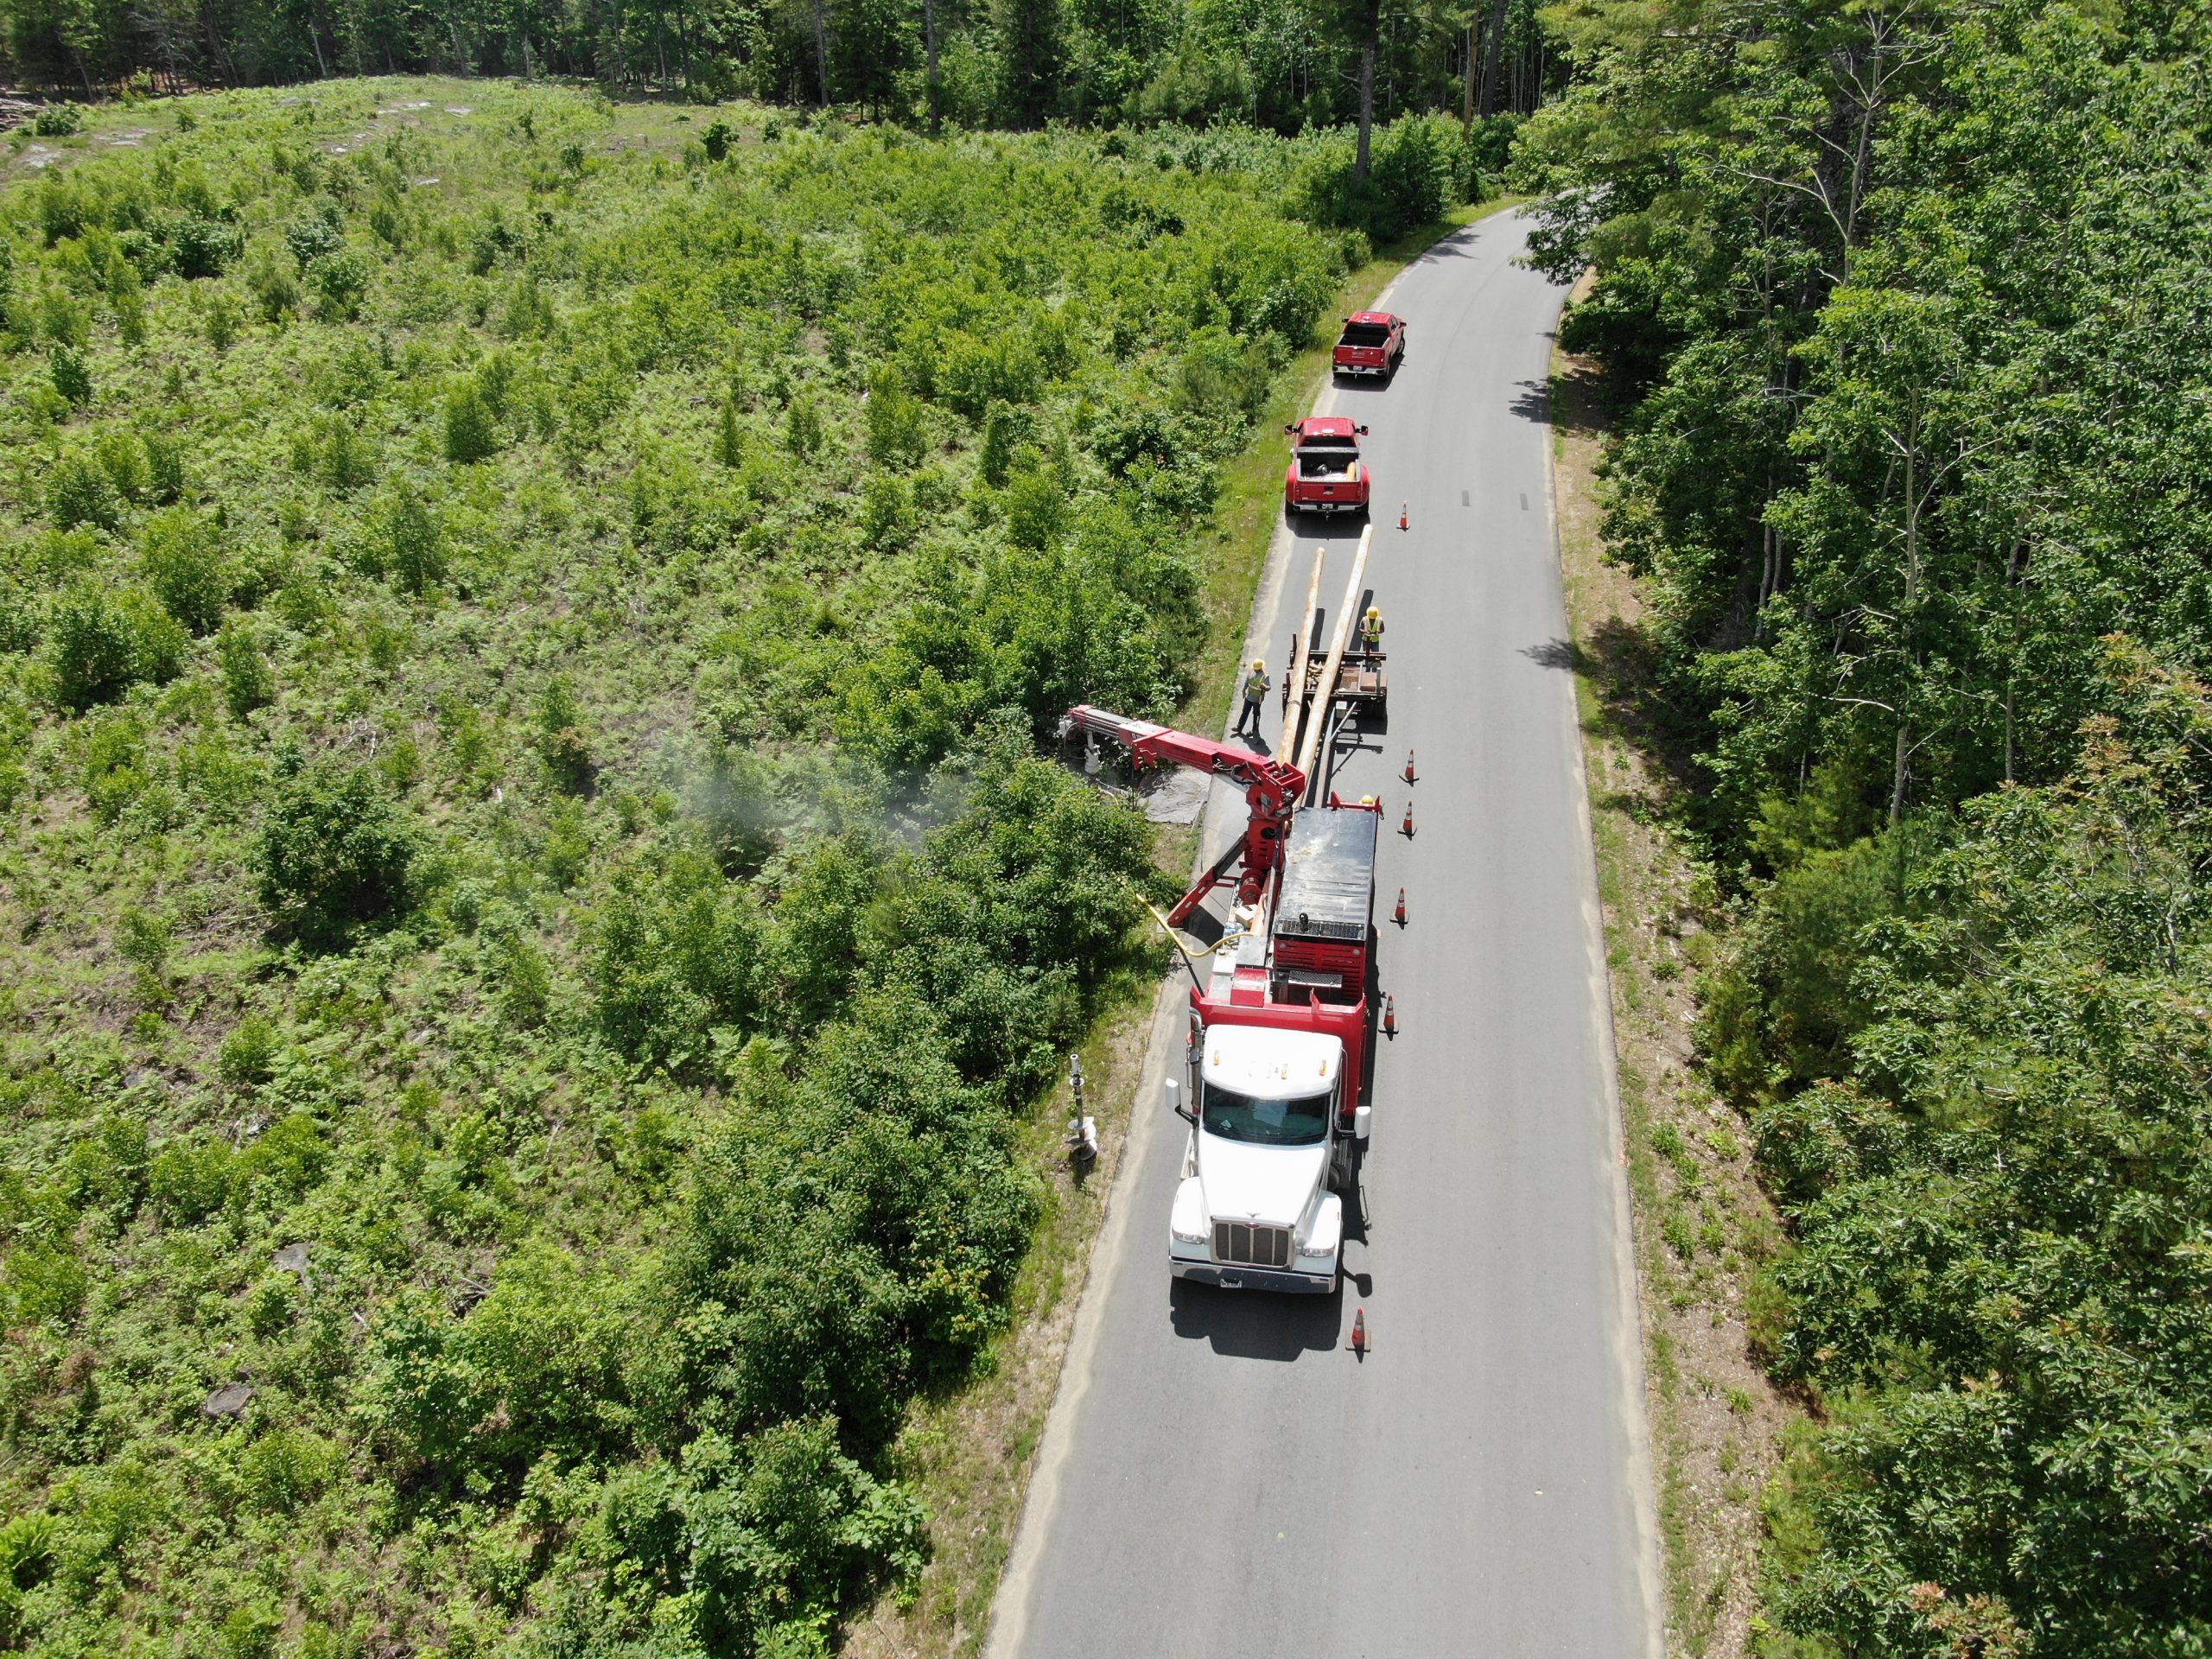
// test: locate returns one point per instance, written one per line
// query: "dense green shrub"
(311, 235)
(339, 282)
(220, 321)
(334, 850)
(185, 567)
(79, 491)
(189, 1181)
(165, 473)
(676, 957)
(471, 431)
(248, 1057)
(802, 428)
(348, 461)
(729, 442)
(248, 680)
(895, 434)
(563, 744)
(101, 643)
(414, 541)
(201, 245)
(72, 380)
(275, 291)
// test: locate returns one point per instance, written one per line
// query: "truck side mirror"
(1173, 1090)
(1363, 432)
(1362, 1122)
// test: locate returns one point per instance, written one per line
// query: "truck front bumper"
(1235, 1277)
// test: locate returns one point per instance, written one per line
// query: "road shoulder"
(1703, 1228)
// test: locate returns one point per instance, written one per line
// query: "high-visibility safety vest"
(1370, 632)
(1255, 687)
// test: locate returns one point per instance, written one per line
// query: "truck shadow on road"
(1256, 1324)
(1271, 1325)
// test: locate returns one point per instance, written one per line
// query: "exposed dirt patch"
(1703, 1226)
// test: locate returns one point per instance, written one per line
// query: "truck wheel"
(1340, 1167)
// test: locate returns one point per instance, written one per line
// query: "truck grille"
(1258, 1247)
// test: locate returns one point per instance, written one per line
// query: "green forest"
(1286, 64)
(535, 917)
(1902, 309)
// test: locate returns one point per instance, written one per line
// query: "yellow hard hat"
(1372, 611)
(1261, 664)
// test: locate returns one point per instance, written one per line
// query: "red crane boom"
(1272, 791)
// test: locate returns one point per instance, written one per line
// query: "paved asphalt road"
(1221, 1476)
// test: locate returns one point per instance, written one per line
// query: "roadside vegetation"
(1898, 316)
(536, 922)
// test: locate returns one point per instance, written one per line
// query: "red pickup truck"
(1326, 473)
(1372, 343)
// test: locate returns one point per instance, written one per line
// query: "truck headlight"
(1327, 1232)
(1188, 1223)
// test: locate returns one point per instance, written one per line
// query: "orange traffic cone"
(1390, 1015)
(1409, 767)
(1400, 918)
(1401, 514)
(1359, 1330)
(1406, 827)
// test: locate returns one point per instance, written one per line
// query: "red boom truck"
(1281, 1027)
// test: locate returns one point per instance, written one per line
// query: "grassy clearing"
(1703, 1225)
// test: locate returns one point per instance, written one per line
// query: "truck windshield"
(1300, 1122)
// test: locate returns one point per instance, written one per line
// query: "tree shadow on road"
(1622, 664)
(1568, 402)
(1256, 1324)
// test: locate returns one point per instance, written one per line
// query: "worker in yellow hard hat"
(1255, 688)
(1370, 631)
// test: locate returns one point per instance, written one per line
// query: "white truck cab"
(1255, 1209)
